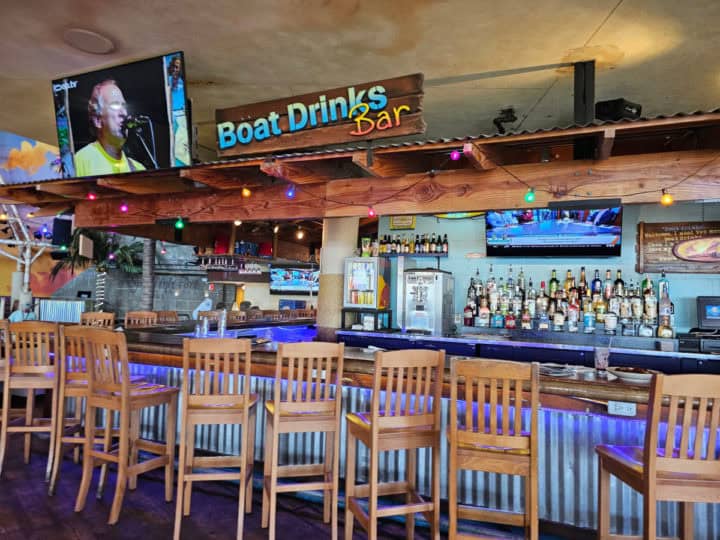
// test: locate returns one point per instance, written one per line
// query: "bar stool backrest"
(693, 403)
(139, 319)
(71, 357)
(97, 318)
(4, 337)
(167, 316)
(492, 398)
(210, 315)
(312, 369)
(255, 314)
(271, 314)
(237, 316)
(107, 364)
(31, 346)
(411, 383)
(216, 371)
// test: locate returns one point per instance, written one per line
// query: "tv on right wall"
(553, 232)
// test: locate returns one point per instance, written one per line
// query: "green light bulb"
(179, 224)
(530, 195)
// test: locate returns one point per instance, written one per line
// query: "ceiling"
(478, 56)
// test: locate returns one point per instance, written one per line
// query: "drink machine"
(429, 301)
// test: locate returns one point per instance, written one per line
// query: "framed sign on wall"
(399, 223)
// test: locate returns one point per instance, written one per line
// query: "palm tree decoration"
(107, 253)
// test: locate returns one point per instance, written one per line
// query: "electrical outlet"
(622, 408)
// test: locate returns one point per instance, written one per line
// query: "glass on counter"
(602, 355)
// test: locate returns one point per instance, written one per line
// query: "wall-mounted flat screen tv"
(122, 119)
(543, 232)
(294, 280)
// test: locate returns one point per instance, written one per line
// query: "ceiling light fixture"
(237, 222)
(88, 41)
(124, 207)
(666, 199)
(276, 229)
(300, 234)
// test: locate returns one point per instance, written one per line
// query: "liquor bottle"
(510, 320)
(516, 302)
(412, 244)
(497, 320)
(664, 305)
(526, 317)
(468, 313)
(663, 285)
(608, 285)
(636, 304)
(573, 316)
(554, 284)
(646, 285)
(645, 329)
(542, 301)
(510, 280)
(483, 318)
(582, 286)
(432, 243)
(664, 329)
(521, 283)
(426, 248)
(491, 285)
(651, 306)
(596, 287)
(569, 281)
(558, 321)
(599, 308)
(619, 286)
(445, 245)
(438, 244)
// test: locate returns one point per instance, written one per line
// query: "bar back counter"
(578, 411)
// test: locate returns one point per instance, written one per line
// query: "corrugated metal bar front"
(568, 464)
(61, 310)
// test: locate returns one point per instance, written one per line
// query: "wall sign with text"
(687, 247)
(379, 109)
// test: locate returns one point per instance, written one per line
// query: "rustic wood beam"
(147, 186)
(293, 172)
(30, 195)
(482, 156)
(635, 179)
(227, 178)
(606, 140)
(53, 209)
(72, 191)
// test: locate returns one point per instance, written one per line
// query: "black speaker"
(61, 232)
(617, 109)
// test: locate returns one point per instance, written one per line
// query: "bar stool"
(140, 319)
(681, 463)
(216, 391)
(235, 317)
(73, 384)
(304, 403)
(101, 319)
(29, 353)
(406, 417)
(491, 435)
(167, 316)
(213, 315)
(109, 387)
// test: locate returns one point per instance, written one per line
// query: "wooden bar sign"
(692, 248)
(373, 110)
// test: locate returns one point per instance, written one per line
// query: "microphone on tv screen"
(135, 122)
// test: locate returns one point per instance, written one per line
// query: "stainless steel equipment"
(429, 299)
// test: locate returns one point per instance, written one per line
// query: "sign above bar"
(374, 110)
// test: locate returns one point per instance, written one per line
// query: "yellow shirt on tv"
(92, 160)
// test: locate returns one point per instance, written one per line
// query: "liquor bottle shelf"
(416, 255)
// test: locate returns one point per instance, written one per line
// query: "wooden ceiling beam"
(224, 178)
(148, 186)
(482, 156)
(295, 172)
(30, 195)
(606, 141)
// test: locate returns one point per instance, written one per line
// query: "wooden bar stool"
(216, 391)
(109, 387)
(167, 316)
(30, 357)
(406, 417)
(73, 384)
(97, 318)
(680, 464)
(309, 400)
(140, 319)
(491, 435)
(235, 317)
(213, 315)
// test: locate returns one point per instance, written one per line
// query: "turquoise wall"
(467, 254)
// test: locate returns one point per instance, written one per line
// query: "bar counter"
(572, 420)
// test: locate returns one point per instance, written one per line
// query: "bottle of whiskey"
(596, 287)
(608, 285)
(664, 329)
(582, 286)
(569, 281)
(619, 286)
(554, 284)
(445, 244)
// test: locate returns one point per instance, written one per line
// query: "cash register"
(706, 337)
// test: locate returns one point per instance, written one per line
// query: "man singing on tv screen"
(107, 112)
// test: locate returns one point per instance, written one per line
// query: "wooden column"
(340, 237)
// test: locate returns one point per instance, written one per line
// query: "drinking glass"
(601, 360)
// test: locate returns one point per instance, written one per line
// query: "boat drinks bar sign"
(373, 110)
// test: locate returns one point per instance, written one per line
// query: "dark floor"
(27, 512)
